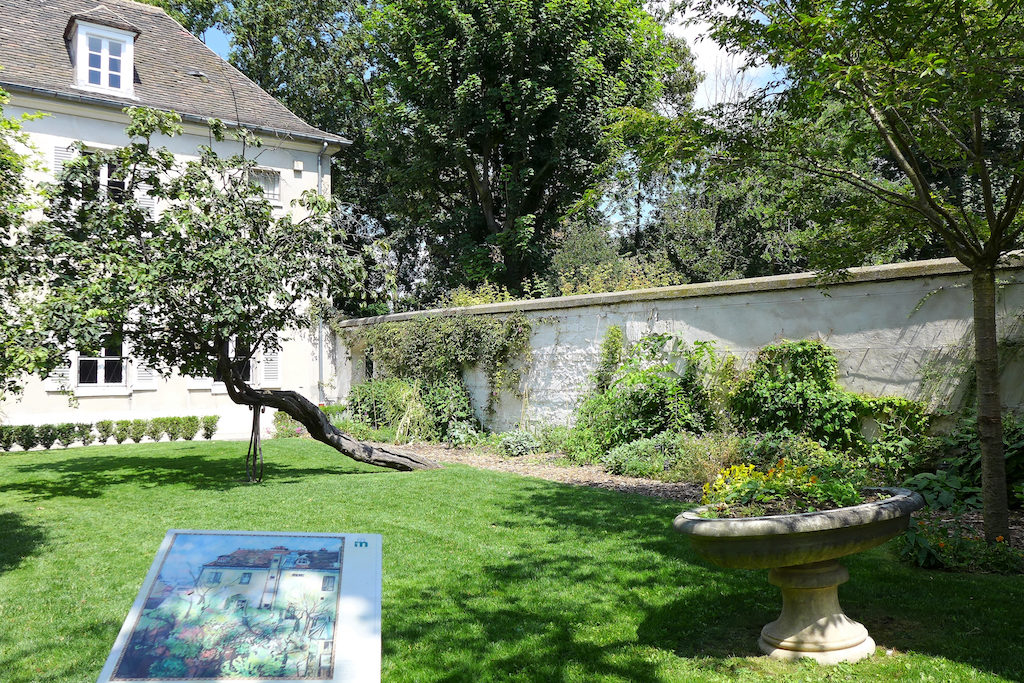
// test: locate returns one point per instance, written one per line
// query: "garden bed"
(974, 520)
(553, 467)
(777, 507)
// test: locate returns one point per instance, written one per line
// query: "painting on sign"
(239, 606)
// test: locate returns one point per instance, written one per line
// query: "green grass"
(487, 576)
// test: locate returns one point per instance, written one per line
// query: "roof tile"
(168, 64)
(290, 559)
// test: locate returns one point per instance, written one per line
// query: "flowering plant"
(744, 491)
(942, 541)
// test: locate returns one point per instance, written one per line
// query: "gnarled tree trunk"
(316, 423)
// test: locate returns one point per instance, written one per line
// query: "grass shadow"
(718, 613)
(89, 476)
(586, 596)
(18, 539)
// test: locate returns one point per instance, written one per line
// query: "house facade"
(300, 587)
(80, 63)
(277, 578)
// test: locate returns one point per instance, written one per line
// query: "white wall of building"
(897, 330)
(43, 402)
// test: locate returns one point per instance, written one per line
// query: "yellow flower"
(999, 539)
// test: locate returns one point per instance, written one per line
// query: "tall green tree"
(39, 315)
(316, 58)
(213, 276)
(692, 192)
(195, 15)
(15, 358)
(937, 88)
(751, 221)
(476, 122)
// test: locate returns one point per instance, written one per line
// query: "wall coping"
(889, 271)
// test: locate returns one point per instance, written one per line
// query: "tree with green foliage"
(213, 276)
(476, 123)
(711, 208)
(195, 15)
(14, 359)
(927, 98)
(39, 315)
(734, 222)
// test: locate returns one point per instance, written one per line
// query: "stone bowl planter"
(801, 552)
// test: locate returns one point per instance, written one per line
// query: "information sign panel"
(255, 606)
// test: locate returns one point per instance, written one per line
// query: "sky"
(723, 75)
(217, 41)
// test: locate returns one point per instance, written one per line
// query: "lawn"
(487, 576)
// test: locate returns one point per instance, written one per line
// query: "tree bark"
(990, 423)
(316, 423)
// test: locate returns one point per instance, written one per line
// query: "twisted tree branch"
(315, 421)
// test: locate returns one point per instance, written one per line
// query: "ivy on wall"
(433, 348)
(793, 385)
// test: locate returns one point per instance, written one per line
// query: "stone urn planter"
(801, 552)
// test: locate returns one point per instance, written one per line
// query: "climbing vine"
(433, 348)
(793, 386)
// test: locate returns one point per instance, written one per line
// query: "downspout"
(320, 324)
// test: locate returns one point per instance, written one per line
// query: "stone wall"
(901, 329)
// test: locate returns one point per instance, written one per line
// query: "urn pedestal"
(801, 553)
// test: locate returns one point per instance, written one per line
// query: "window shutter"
(61, 155)
(59, 379)
(145, 378)
(272, 369)
(144, 199)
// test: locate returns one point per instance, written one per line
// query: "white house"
(81, 62)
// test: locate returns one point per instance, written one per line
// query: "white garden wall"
(899, 329)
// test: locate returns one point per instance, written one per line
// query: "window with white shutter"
(61, 155)
(59, 379)
(144, 199)
(145, 378)
(271, 369)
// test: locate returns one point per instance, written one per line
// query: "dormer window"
(102, 47)
(105, 62)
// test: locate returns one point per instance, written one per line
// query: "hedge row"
(46, 435)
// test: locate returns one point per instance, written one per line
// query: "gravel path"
(549, 467)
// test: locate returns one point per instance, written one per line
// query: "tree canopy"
(926, 97)
(476, 124)
(39, 316)
(15, 357)
(212, 277)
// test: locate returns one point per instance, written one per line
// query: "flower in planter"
(783, 489)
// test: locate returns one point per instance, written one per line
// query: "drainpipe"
(320, 324)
